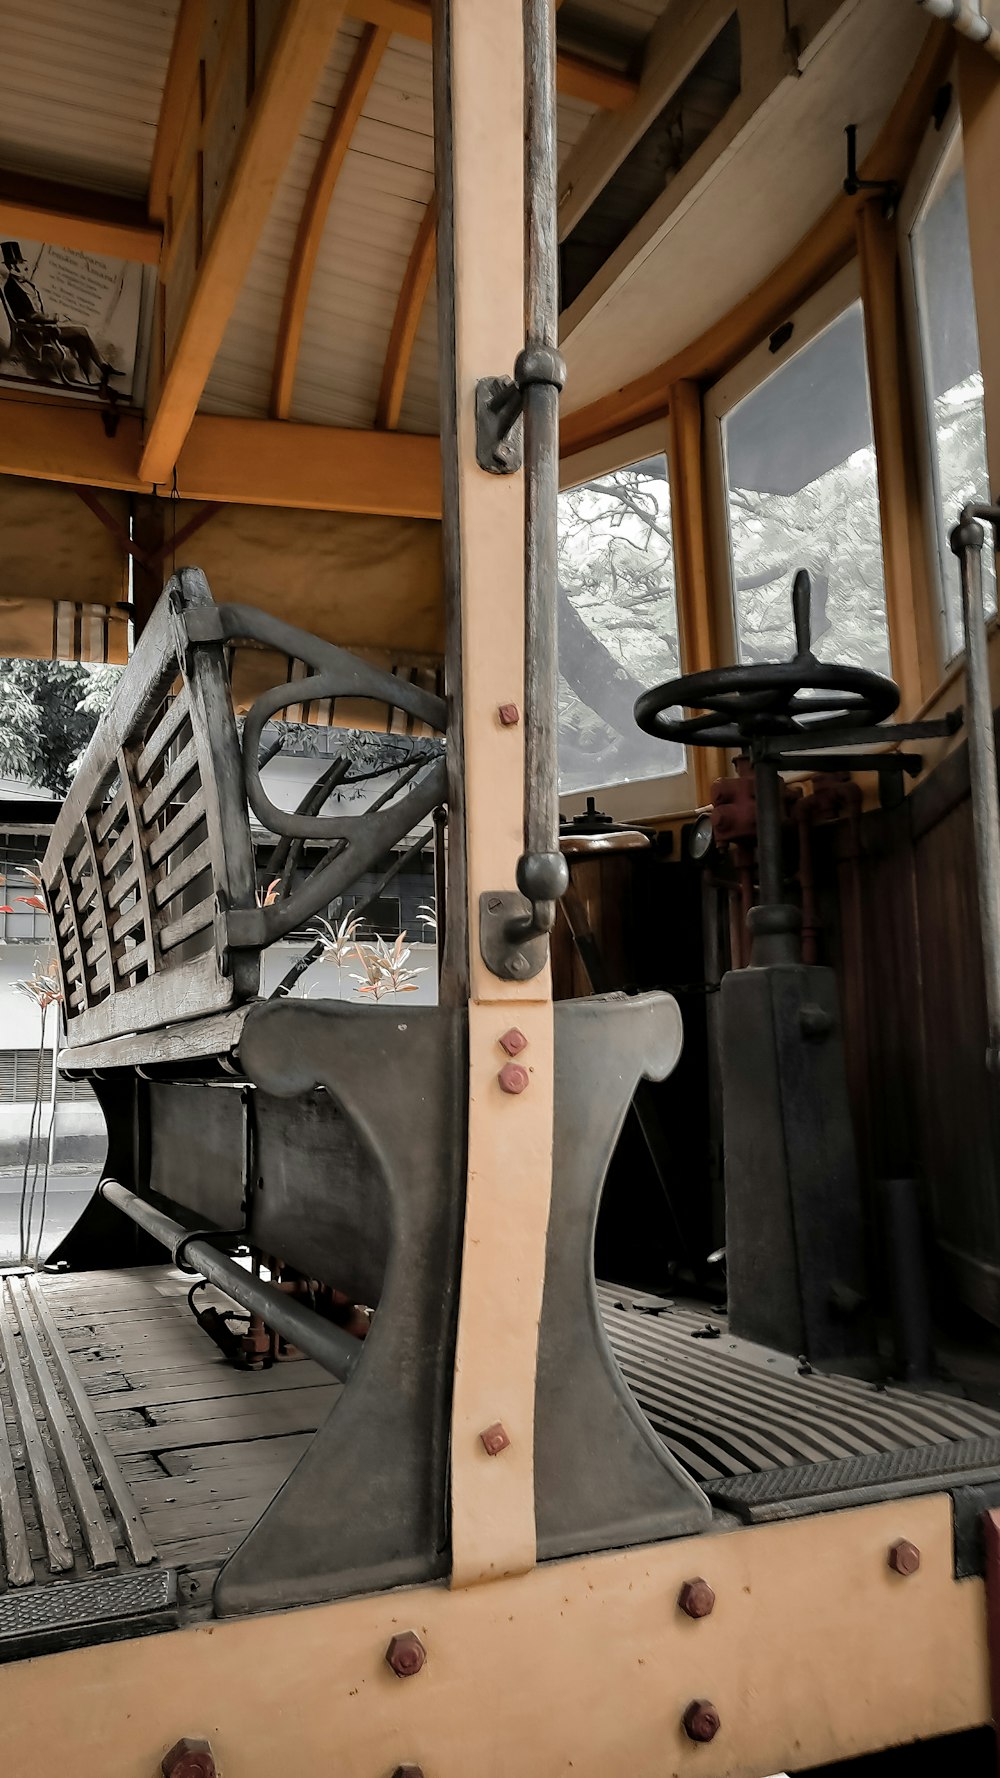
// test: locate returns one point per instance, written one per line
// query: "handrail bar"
(336, 1351)
(967, 541)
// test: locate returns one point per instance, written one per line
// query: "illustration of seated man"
(45, 341)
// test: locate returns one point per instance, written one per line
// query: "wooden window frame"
(940, 152)
(810, 318)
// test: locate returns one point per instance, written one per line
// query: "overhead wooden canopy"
(270, 164)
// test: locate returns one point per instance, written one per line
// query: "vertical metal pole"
(540, 374)
(453, 942)
(774, 925)
(767, 784)
(541, 432)
(967, 542)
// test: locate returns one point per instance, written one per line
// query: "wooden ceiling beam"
(68, 216)
(332, 154)
(182, 75)
(66, 441)
(271, 124)
(313, 468)
(406, 320)
(576, 75)
(580, 78)
(231, 461)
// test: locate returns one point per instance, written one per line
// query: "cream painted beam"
(576, 76)
(479, 76)
(312, 221)
(242, 462)
(298, 53)
(68, 216)
(816, 1651)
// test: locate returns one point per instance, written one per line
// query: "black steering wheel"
(744, 702)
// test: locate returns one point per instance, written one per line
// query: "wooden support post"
(915, 664)
(979, 96)
(149, 520)
(478, 73)
(699, 648)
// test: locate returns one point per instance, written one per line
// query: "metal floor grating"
(728, 1409)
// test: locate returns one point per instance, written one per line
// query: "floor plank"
(203, 1446)
(287, 1415)
(195, 1457)
(224, 1381)
(179, 1524)
(267, 1406)
(198, 1551)
(201, 1487)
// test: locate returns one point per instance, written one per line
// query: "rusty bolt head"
(513, 1078)
(494, 1439)
(406, 1654)
(188, 1759)
(701, 1720)
(513, 1041)
(904, 1557)
(696, 1598)
(509, 715)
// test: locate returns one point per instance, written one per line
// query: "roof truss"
(233, 150)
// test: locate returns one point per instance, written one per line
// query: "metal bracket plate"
(499, 428)
(512, 962)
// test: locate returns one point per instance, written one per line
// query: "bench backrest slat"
(153, 838)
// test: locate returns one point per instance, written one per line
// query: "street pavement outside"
(69, 1190)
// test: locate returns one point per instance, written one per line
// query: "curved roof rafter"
(357, 85)
(406, 320)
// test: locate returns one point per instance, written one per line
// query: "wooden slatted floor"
(133, 1450)
(202, 1447)
(727, 1409)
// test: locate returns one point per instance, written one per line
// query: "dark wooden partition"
(905, 930)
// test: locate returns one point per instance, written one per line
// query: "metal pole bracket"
(499, 429)
(519, 960)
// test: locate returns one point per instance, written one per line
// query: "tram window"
(952, 379)
(617, 625)
(800, 487)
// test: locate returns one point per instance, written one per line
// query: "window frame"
(646, 799)
(809, 319)
(12, 861)
(940, 152)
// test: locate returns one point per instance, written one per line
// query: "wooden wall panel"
(910, 974)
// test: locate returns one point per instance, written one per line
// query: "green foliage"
(48, 712)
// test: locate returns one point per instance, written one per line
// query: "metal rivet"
(696, 1598)
(701, 1720)
(494, 1439)
(904, 1557)
(509, 715)
(513, 1078)
(513, 1041)
(406, 1654)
